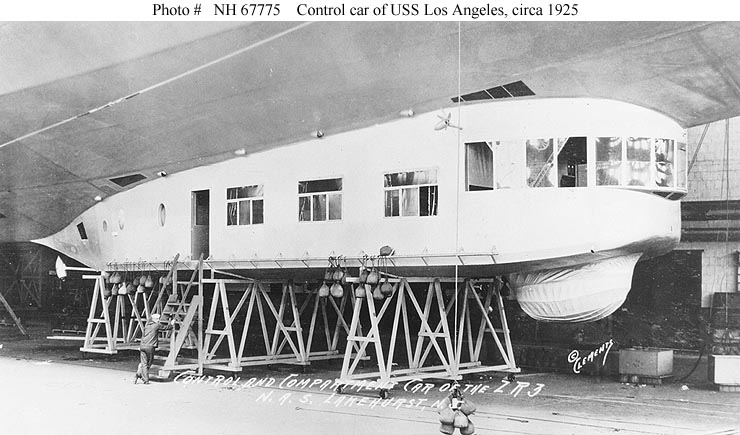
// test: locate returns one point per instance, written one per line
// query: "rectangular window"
(638, 159)
(608, 161)
(681, 164)
(541, 157)
(81, 230)
(245, 205)
(478, 166)
(412, 193)
(320, 200)
(664, 163)
(508, 164)
(572, 162)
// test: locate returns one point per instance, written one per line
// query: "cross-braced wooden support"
(134, 329)
(436, 335)
(116, 322)
(23, 274)
(284, 333)
(99, 318)
(108, 332)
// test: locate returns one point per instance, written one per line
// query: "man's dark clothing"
(150, 337)
(146, 357)
(149, 342)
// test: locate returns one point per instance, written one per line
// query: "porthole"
(161, 215)
(105, 226)
(121, 221)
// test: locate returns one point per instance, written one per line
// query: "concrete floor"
(49, 387)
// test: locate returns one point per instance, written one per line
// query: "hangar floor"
(50, 385)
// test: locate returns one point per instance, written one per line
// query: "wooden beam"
(12, 314)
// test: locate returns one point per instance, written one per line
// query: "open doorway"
(200, 223)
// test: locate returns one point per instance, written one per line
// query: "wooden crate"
(647, 362)
(724, 369)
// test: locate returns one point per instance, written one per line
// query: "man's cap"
(155, 316)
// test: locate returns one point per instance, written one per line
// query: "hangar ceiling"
(199, 91)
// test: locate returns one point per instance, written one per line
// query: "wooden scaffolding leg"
(120, 328)
(12, 314)
(137, 319)
(170, 278)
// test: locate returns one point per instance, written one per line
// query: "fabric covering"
(582, 294)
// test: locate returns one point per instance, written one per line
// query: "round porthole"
(121, 221)
(161, 215)
(105, 226)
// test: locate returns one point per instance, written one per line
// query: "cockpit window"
(540, 155)
(664, 163)
(608, 161)
(572, 163)
(681, 164)
(638, 157)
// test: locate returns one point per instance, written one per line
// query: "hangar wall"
(711, 210)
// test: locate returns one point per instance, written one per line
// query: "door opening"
(200, 223)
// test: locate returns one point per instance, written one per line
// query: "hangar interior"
(97, 115)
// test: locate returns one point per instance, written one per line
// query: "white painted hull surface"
(560, 245)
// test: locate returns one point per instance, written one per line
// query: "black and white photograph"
(369, 218)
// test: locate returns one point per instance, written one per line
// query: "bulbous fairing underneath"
(581, 294)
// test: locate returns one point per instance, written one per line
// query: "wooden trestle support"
(287, 328)
(283, 325)
(474, 296)
(107, 332)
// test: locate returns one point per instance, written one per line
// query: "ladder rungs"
(96, 320)
(358, 338)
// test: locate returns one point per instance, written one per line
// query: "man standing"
(149, 342)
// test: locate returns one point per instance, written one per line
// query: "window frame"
(326, 194)
(238, 203)
(416, 187)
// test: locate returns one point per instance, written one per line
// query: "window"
(508, 164)
(161, 215)
(320, 200)
(478, 166)
(681, 164)
(127, 179)
(638, 158)
(244, 205)
(81, 230)
(540, 161)
(608, 161)
(572, 163)
(411, 193)
(664, 163)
